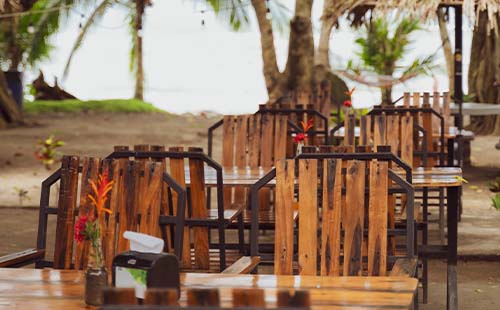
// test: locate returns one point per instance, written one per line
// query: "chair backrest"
(354, 204)
(396, 131)
(252, 140)
(187, 168)
(134, 202)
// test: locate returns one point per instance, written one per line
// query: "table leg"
(452, 212)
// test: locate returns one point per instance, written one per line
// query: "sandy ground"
(95, 135)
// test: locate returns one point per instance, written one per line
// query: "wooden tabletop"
(422, 177)
(63, 289)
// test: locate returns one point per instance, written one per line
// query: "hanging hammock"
(374, 80)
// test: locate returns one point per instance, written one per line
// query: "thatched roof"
(426, 9)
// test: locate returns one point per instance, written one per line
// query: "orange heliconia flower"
(101, 191)
(350, 92)
(306, 126)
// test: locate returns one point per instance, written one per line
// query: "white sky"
(192, 68)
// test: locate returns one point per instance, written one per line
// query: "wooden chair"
(205, 298)
(133, 201)
(251, 142)
(351, 218)
(187, 168)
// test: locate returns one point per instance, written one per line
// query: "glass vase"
(299, 148)
(96, 276)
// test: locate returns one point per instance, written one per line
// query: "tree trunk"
(9, 110)
(300, 62)
(447, 51)
(139, 74)
(484, 74)
(274, 80)
(386, 95)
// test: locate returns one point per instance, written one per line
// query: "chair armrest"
(243, 265)
(404, 267)
(21, 258)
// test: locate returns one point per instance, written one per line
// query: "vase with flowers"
(89, 228)
(301, 137)
(348, 109)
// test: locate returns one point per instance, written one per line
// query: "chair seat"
(231, 257)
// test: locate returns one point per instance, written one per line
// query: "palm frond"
(96, 15)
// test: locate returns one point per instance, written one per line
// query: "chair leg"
(441, 215)
(424, 242)
(241, 233)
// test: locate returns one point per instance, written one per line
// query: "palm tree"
(383, 49)
(135, 13)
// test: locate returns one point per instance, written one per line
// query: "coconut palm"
(383, 49)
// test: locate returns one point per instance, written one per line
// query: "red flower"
(80, 225)
(299, 137)
(347, 103)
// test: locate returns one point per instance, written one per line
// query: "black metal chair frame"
(45, 210)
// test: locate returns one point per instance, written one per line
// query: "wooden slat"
(244, 297)
(280, 136)
(207, 297)
(90, 170)
(254, 138)
(365, 130)
(283, 245)
(126, 201)
(199, 209)
(150, 204)
(240, 156)
(266, 156)
(354, 218)
(308, 215)
(68, 192)
(330, 233)
(163, 200)
(243, 265)
(111, 235)
(416, 100)
(377, 228)
(379, 131)
(349, 126)
(427, 125)
(406, 100)
(407, 139)
(404, 268)
(178, 174)
(392, 134)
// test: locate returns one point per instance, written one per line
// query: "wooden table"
(421, 177)
(63, 289)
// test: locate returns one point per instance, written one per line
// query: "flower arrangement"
(46, 152)
(302, 136)
(88, 227)
(348, 103)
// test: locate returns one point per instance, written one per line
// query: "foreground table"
(63, 289)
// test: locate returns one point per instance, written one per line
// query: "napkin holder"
(141, 269)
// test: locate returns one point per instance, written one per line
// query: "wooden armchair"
(133, 203)
(137, 203)
(351, 218)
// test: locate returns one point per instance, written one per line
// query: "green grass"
(74, 106)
